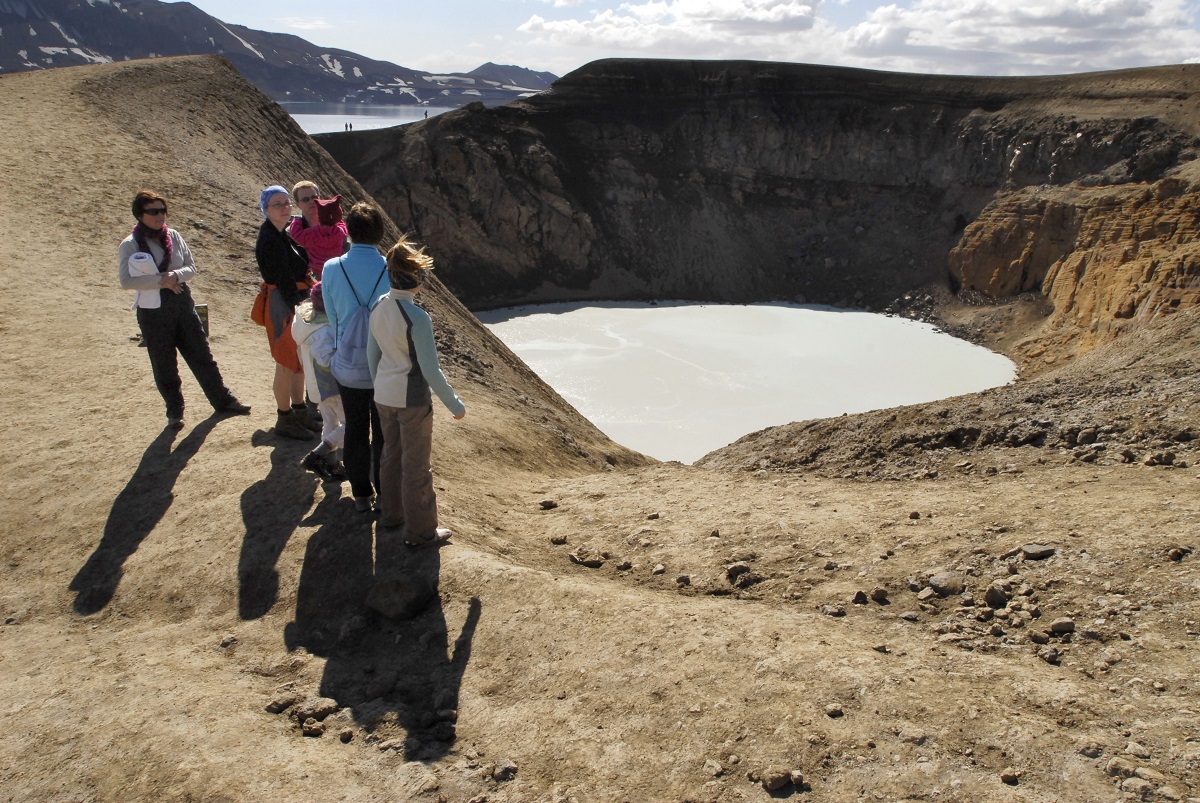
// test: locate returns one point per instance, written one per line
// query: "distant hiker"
(427, 114)
(351, 284)
(322, 242)
(314, 339)
(155, 261)
(283, 264)
(404, 364)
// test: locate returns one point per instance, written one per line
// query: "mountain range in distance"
(44, 34)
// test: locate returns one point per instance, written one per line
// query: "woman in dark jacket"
(155, 261)
(283, 264)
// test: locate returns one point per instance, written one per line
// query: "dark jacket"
(282, 262)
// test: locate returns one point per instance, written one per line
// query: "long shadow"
(272, 509)
(135, 513)
(381, 626)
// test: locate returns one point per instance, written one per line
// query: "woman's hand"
(170, 281)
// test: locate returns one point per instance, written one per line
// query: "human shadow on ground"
(135, 513)
(272, 509)
(381, 626)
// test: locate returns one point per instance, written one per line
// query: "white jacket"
(314, 341)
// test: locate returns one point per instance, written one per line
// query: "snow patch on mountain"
(246, 44)
(333, 65)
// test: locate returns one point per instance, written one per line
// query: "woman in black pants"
(155, 261)
(357, 279)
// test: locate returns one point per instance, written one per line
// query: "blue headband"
(263, 199)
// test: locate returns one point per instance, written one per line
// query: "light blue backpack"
(349, 364)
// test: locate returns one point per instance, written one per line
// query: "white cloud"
(305, 23)
(932, 36)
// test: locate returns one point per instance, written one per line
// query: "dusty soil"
(191, 616)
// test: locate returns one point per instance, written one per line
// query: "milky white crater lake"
(676, 380)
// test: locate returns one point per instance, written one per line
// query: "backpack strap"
(342, 265)
(378, 279)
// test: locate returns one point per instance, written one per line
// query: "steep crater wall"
(744, 181)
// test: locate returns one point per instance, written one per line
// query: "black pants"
(173, 327)
(362, 451)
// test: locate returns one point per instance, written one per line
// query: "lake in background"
(676, 380)
(323, 118)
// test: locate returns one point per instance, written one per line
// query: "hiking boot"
(233, 407)
(336, 470)
(314, 413)
(317, 465)
(438, 536)
(174, 422)
(364, 504)
(287, 426)
(302, 418)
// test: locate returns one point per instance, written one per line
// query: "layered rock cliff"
(741, 181)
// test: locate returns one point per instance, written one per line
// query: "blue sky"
(971, 37)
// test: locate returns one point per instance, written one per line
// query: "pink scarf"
(142, 233)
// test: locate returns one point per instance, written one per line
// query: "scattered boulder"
(315, 708)
(1136, 750)
(1037, 551)
(946, 584)
(1062, 626)
(1120, 767)
(879, 594)
(558, 540)
(282, 702)
(860, 598)
(833, 610)
(548, 504)
(587, 556)
(1138, 787)
(775, 778)
(833, 711)
(1049, 654)
(995, 596)
(1010, 776)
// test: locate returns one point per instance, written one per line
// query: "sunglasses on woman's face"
(158, 210)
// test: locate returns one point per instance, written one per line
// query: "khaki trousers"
(406, 495)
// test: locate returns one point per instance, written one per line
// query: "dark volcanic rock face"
(741, 181)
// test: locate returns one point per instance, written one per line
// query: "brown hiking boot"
(305, 420)
(287, 426)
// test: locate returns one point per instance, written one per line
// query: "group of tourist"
(344, 331)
